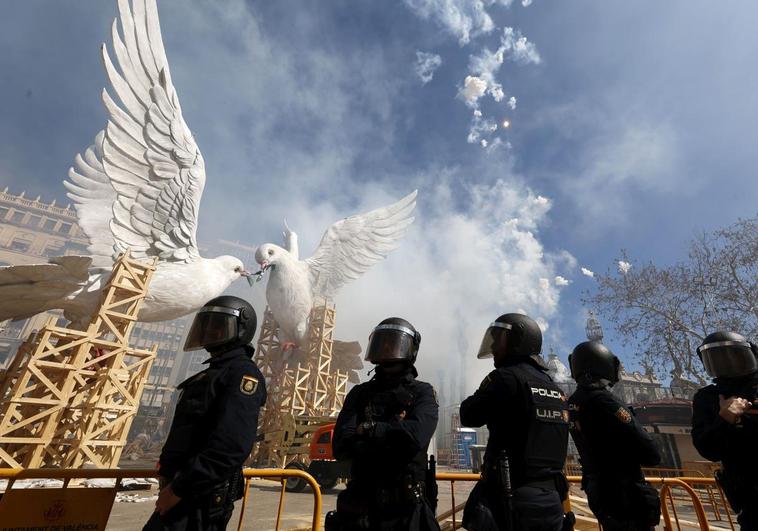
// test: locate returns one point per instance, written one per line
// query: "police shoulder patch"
(623, 415)
(486, 382)
(248, 385)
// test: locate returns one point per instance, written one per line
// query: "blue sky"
(633, 128)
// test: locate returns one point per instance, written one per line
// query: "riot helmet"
(223, 323)
(393, 339)
(512, 335)
(728, 355)
(592, 362)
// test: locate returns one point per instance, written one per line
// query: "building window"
(3, 212)
(49, 224)
(17, 216)
(21, 246)
(33, 221)
(65, 228)
(53, 249)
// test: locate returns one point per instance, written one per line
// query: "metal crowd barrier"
(670, 518)
(14, 474)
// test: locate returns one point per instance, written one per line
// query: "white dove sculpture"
(347, 250)
(137, 187)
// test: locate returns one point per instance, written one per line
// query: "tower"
(304, 390)
(593, 328)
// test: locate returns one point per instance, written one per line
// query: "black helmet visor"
(728, 359)
(492, 337)
(390, 342)
(213, 326)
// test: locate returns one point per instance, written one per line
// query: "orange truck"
(321, 463)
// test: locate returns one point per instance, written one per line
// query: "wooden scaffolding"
(301, 394)
(69, 396)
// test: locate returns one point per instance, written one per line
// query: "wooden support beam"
(303, 392)
(69, 396)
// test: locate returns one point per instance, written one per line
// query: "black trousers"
(628, 505)
(358, 510)
(534, 509)
(185, 516)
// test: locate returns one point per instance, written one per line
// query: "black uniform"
(212, 434)
(612, 447)
(735, 445)
(388, 485)
(527, 418)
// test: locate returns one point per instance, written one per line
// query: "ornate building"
(632, 387)
(661, 410)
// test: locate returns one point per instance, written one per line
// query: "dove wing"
(352, 245)
(139, 186)
(290, 241)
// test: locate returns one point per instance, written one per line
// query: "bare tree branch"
(665, 312)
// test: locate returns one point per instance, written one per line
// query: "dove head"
(269, 255)
(231, 266)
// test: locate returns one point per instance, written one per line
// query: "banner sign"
(69, 509)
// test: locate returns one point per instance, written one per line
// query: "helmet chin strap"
(217, 351)
(226, 347)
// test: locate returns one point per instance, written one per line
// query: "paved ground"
(264, 501)
(261, 512)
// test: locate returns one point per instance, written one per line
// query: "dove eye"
(270, 252)
(237, 269)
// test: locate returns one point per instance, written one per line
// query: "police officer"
(522, 484)
(612, 446)
(214, 425)
(385, 427)
(724, 425)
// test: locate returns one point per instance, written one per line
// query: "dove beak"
(244, 273)
(264, 265)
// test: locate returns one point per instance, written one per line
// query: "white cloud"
(456, 270)
(513, 46)
(496, 91)
(426, 64)
(517, 47)
(624, 267)
(621, 156)
(473, 89)
(497, 143)
(526, 3)
(561, 281)
(587, 273)
(486, 64)
(484, 68)
(464, 19)
(481, 128)
(467, 19)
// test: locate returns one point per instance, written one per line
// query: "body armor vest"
(544, 450)
(381, 401)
